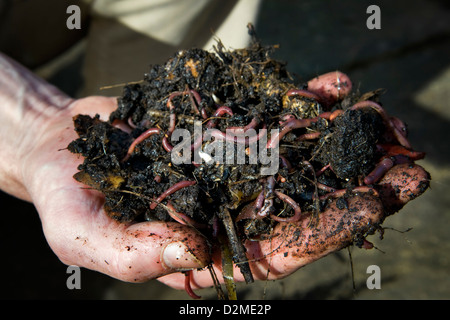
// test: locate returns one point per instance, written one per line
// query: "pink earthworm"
(323, 169)
(399, 125)
(198, 100)
(385, 165)
(197, 143)
(122, 125)
(173, 118)
(297, 210)
(285, 163)
(217, 134)
(260, 200)
(191, 93)
(379, 171)
(331, 115)
(287, 127)
(324, 187)
(182, 218)
(138, 140)
(131, 123)
(285, 118)
(166, 144)
(252, 125)
(302, 93)
(309, 136)
(172, 189)
(342, 192)
(266, 203)
(187, 285)
(218, 113)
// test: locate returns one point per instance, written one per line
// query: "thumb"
(138, 252)
(149, 250)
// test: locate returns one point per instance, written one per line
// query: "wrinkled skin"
(39, 169)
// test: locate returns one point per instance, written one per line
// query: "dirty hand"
(296, 244)
(36, 129)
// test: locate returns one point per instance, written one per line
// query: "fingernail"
(177, 256)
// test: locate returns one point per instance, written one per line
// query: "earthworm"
(120, 124)
(182, 218)
(309, 136)
(302, 93)
(400, 125)
(172, 189)
(252, 125)
(166, 144)
(198, 99)
(324, 187)
(285, 163)
(267, 202)
(293, 204)
(191, 93)
(331, 115)
(323, 169)
(285, 118)
(342, 192)
(173, 117)
(219, 112)
(330, 87)
(138, 140)
(387, 163)
(393, 150)
(217, 134)
(131, 123)
(260, 200)
(187, 285)
(379, 171)
(287, 127)
(197, 143)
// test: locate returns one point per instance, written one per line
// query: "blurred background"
(408, 57)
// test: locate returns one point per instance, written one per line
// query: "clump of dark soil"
(349, 146)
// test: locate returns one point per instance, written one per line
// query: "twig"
(239, 257)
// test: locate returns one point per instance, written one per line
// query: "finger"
(331, 87)
(151, 249)
(337, 227)
(401, 184)
(94, 105)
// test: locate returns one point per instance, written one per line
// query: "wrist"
(27, 106)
